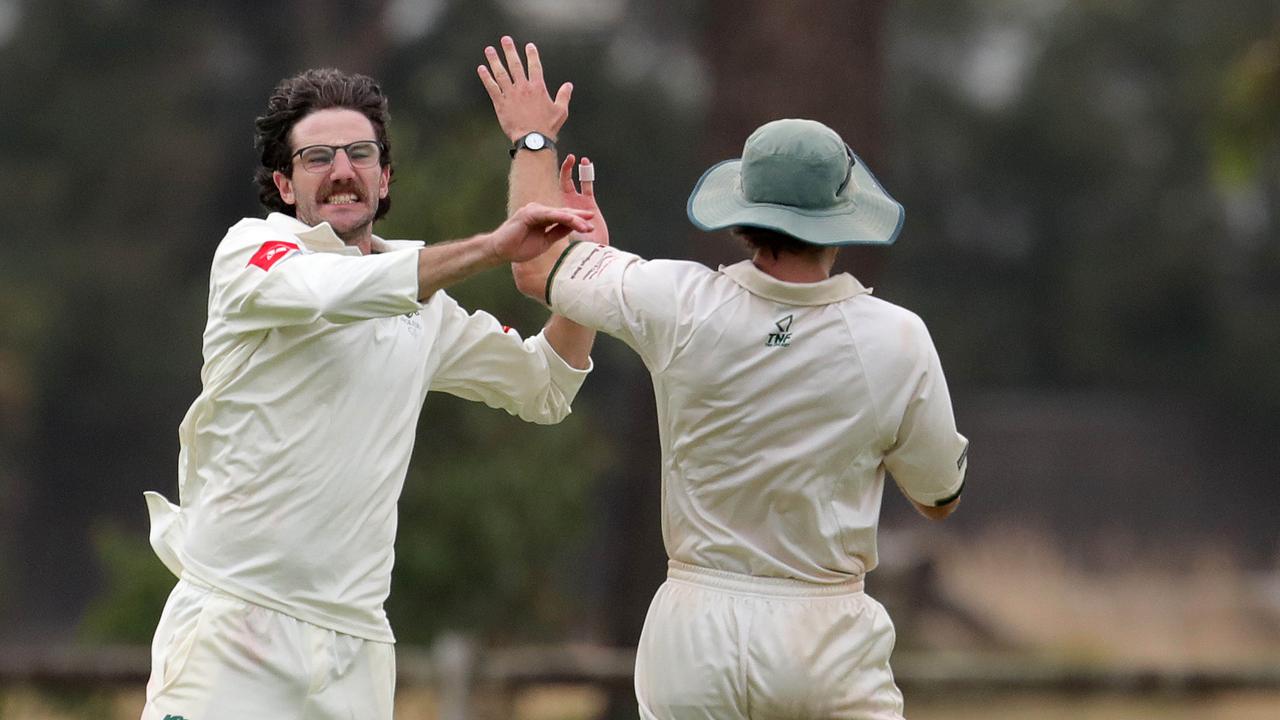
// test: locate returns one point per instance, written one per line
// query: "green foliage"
(493, 506)
(491, 512)
(1070, 232)
(1247, 127)
(136, 585)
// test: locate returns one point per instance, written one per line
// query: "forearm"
(571, 341)
(533, 179)
(445, 264)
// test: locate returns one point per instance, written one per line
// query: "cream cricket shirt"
(780, 406)
(316, 363)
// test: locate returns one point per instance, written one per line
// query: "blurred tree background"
(1092, 237)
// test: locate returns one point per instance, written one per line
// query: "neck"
(361, 239)
(790, 267)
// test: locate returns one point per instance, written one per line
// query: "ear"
(284, 184)
(384, 181)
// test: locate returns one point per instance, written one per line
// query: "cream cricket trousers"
(216, 657)
(719, 645)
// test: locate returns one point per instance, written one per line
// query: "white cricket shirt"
(780, 406)
(317, 360)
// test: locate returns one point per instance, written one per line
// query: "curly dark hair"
(295, 98)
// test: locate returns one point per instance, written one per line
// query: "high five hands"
(523, 105)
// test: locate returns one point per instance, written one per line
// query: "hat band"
(848, 172)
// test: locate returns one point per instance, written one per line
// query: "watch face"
(534, 141)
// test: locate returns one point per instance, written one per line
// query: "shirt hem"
(298, 613)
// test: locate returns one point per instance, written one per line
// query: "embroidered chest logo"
(271, 252)
(781, 338)
(413, 321)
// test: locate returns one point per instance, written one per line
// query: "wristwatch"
(533, 141)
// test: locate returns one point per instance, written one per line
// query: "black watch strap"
(532, 141)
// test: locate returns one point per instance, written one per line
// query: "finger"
(535, 64)
(580, 225)
(490, 85)
(566, 175)
(513, 58)
(562, 96)
(567, 215)
(495, 65)
(539, 214)
(587, 177)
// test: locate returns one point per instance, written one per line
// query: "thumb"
(563, 94)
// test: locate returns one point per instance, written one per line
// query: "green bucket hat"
(798, 177)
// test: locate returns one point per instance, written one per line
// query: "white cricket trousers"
(216, 657)
(720, 646)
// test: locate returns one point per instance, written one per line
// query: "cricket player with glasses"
(321, 344)
(784, 394)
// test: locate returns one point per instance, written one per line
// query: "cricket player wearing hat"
(784, 394)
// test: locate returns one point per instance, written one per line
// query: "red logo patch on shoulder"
(509, 329)
(271, 252)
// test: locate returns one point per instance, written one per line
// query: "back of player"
(780, 405)
(784, 394)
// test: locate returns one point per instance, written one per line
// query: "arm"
(522, 104)
(477, 359)
(262, 279)
(929, 459)
(526, 235)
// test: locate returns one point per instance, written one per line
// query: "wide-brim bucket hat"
(798, 177)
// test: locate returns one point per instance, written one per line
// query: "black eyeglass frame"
(334, 149)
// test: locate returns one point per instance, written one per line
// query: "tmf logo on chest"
(782, 338)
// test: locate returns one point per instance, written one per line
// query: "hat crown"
(798, 163)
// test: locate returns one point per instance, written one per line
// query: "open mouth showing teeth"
(342, 199)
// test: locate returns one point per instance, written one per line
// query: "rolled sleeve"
(485, 362)
(929, 458)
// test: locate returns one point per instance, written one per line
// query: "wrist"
(489, 250)
(535, 141)
(516, 134)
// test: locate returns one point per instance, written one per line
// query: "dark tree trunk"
(816, 59)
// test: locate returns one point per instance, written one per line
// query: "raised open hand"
(521, 100)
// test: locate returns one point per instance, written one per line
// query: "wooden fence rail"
(455, 665)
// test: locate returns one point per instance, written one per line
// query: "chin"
(347, 219)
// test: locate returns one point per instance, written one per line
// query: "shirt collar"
(322, 238)
(757, 282)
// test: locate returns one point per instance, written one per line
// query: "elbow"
(937, 513)
(549, 409)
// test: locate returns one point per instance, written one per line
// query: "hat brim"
(863, 213)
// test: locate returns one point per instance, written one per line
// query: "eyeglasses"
(319, 158)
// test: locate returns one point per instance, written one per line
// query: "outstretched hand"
(585, 199)
(534, 228)
(521, 101)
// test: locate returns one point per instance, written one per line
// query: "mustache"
(342, 187)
